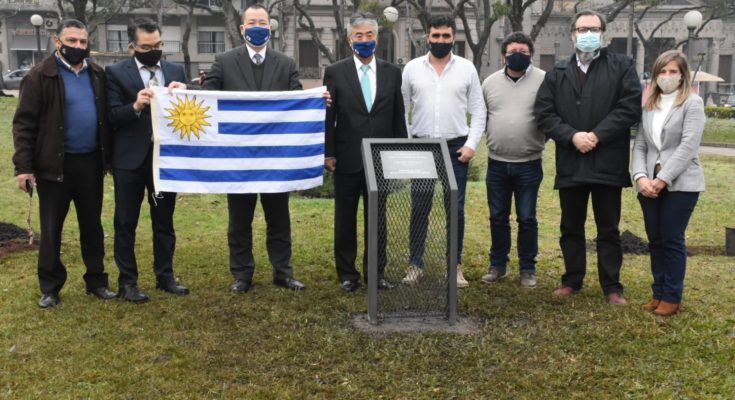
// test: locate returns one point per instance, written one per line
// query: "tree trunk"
(233, 20)
(185, 40)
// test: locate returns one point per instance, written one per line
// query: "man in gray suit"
(254, 67)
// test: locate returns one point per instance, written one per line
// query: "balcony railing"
(121, 46)
(211, 47)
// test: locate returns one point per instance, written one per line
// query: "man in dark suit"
(254, 67)
(129, 95)
(366, 103)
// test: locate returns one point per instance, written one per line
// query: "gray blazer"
(680, 137)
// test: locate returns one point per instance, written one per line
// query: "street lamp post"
(391, 14)
(692, 19)
(37, 21)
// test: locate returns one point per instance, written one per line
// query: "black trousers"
(241, 208)
(606, 207)
(83, 185)
(130, 186)
(347, 191)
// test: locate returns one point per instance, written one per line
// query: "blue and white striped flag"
(238, 142)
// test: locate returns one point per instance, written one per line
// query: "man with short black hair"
(587, 105)
(255, 67)
(62, 148)
(515, 146)
(443, 88)
(129, 96)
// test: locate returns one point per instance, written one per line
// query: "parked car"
(12, 79)
(729, 101)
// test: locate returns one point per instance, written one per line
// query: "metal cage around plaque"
(412, 229)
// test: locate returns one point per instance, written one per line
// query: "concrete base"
(463, 326)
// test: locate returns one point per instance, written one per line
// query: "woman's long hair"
(685, 88)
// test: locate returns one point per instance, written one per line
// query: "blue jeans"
(421, 208)
(666, 218)
(504, 181)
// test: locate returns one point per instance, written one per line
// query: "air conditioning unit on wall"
(51, 24)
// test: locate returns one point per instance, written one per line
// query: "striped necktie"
(152, 80)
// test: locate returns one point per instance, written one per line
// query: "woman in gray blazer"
(668, 174)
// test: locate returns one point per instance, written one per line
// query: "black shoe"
(241, 286)
(173, 288)
(349, 286)
(132, 294)
(289, 283)
(102, 293)
(49, 300)
(384, 285)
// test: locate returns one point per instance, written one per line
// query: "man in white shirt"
(443, 88)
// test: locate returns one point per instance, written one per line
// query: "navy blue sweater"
(80, 111)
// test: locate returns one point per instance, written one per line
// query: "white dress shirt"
(371, 75)
(252, 53)
(145, 75)
(441, 102)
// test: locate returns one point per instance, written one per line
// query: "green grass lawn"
(275, 344)
(719, 131)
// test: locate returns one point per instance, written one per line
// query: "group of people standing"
(586, 104)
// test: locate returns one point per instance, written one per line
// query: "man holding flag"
(130, 86)
(254, 67)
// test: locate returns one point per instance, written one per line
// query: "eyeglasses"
(585, 29)
(525, 53)
(147, 47)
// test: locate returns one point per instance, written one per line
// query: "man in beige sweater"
(515, 146)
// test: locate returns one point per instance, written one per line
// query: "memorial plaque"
(408, 165)
(412, 219)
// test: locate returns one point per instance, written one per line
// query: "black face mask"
(518, 62)
(440, 50)
(149, 58)
(73, 55)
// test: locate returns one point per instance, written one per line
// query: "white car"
(12, 79)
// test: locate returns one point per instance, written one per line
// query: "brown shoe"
(666, 309)
(563, 291)
(616, 299)
(651, 305)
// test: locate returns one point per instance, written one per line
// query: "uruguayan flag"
(237, 142)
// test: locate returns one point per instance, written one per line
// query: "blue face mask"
(257, 35)
(589, 41)
(364, 49)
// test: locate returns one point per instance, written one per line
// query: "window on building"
(725, 69)
(211, 42)
(117, 41)
(309, 60)
(308, 54)
(547, 62)
(620, 45)
(459, 48)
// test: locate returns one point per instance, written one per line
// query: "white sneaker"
(413, 275)
(461, 281)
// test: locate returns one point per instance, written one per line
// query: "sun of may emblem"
(188, 117)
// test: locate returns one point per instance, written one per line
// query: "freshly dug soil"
(14, 239)
(631, 243)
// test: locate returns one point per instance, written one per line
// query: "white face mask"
(669, 83)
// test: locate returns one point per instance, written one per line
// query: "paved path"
(721, 151)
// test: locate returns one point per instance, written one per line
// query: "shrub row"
(720, 112)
